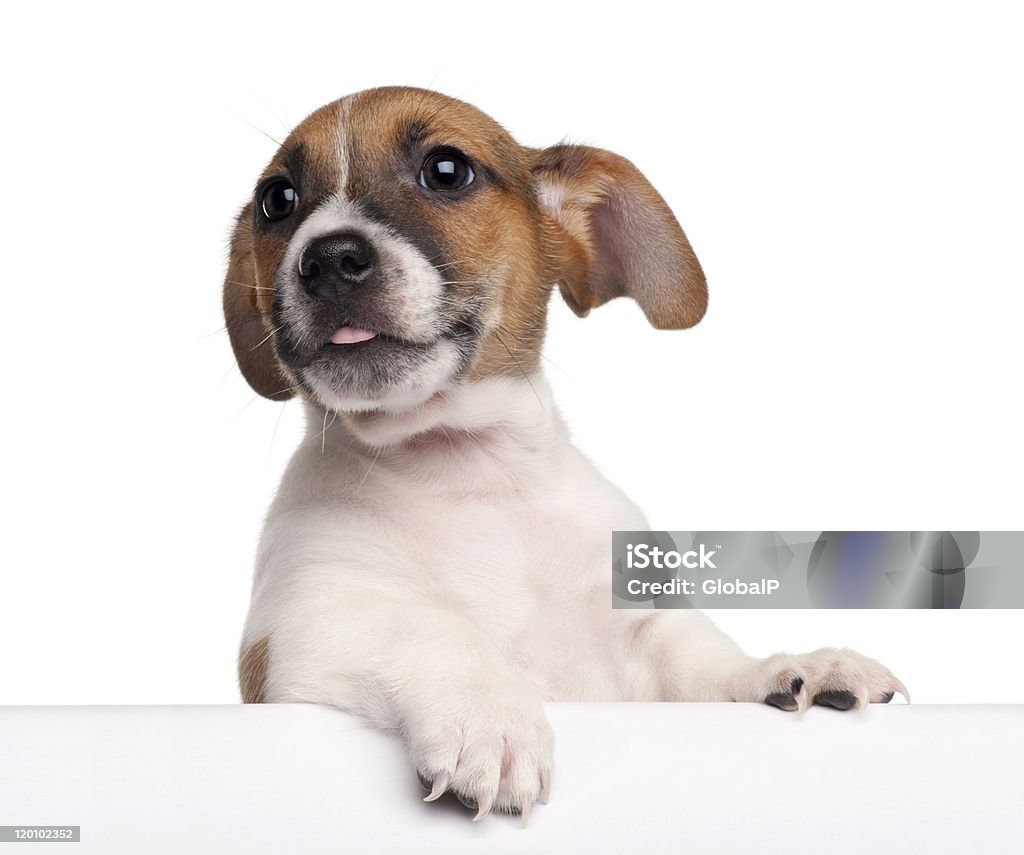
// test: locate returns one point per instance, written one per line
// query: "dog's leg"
(702, 664)
(471, 723)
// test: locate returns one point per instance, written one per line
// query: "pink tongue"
(350, 335)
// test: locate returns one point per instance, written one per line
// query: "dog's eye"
(278, 199)
(446, 171)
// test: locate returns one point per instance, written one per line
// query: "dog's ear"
(248, 324)
(616, 237)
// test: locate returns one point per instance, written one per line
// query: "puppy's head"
(400, 242)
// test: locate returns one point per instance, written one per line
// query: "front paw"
(493, 751)
(841, 679)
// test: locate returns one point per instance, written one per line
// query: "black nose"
(334, 266)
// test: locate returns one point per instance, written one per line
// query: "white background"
(850, 177)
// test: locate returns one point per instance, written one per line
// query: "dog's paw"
(492, 751)
(841, 679)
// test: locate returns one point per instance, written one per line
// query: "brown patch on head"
(253, 664)
(489, 243)
(309, 159)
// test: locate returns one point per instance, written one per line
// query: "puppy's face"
(401, 242)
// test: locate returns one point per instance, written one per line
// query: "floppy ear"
(248, 326)
(617, 237)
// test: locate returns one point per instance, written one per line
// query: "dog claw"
(439, 787)
(485, 808)
(838, 699)
(783, 701)
(545, 786)
(524, 812)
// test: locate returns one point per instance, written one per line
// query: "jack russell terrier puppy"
(436, 559)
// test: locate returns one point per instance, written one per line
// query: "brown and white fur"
(436, 559)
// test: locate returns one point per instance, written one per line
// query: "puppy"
(436, 559)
